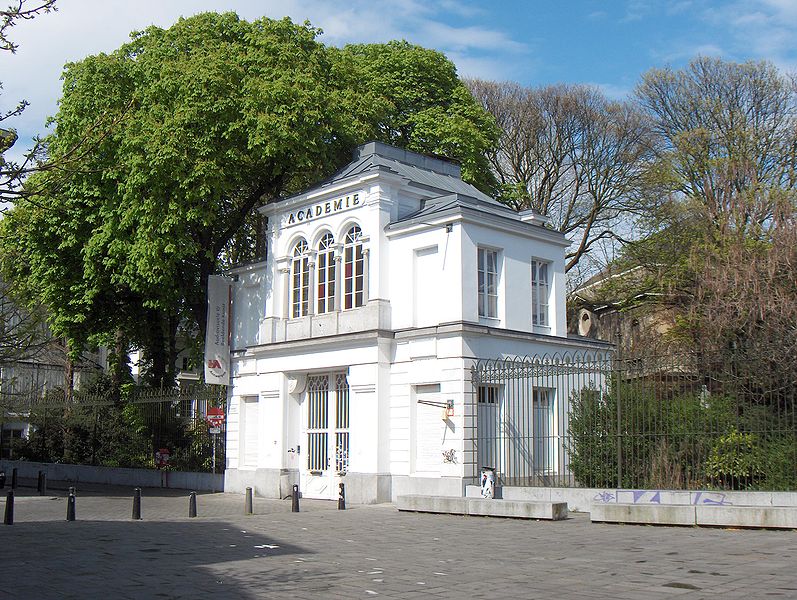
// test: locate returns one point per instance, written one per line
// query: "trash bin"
(488, 482)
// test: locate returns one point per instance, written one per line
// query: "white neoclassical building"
(353, 342)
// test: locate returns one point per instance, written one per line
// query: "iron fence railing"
(649, 422)
(145, 428)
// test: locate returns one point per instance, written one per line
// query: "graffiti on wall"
(655, 497)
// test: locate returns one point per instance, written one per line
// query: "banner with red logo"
(217, 336)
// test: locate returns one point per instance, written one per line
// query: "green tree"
(416, 101)
(189, 130)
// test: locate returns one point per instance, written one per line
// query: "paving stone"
(325, 553)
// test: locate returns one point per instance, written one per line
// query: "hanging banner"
(217, 335)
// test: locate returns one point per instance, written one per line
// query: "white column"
(286, 292)
(311, 291)
(366, 264)
(338, 277)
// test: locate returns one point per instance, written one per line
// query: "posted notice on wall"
(217, 335)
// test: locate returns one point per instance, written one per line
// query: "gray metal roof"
(422, 171)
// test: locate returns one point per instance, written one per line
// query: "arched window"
(326, 274)
(300, 280)
(353, 268)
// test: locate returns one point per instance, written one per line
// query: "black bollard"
(341, 497)
(2, 480)
(43, 487)
(137, 504)
(39, 482)
(14, 478)
(8, 519)
(192, 504)
(70, 507)
(295, 498)
(248, 509)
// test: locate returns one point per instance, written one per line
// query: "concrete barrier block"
(475, 491)
(527, 494)
(435, 504)
(784, 499)
(552, 511)
(648, 514)
(747, 516)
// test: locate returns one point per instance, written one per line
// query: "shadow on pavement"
(139, 559)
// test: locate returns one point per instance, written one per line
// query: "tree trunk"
(156, 351)
(118, 364)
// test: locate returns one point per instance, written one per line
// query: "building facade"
(353, 343)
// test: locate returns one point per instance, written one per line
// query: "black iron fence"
(145, 428)
(648, 422)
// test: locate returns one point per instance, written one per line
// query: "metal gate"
(327, 432)
(522, 408)
(650, 421)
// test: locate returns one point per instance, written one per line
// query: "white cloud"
(613, 91)
(80, 28)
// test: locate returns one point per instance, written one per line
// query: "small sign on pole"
(214, 430)
(215, 417)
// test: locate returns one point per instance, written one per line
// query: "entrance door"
(326, 420)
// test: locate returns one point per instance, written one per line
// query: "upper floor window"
(540, 292)
(300, 280)
(488, 283)
(325, 264)
(353, 269)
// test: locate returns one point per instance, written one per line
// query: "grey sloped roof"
(422, 171)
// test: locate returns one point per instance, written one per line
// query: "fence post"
(8, 518)
(617, 377)
(295, 499)
(248, 502)
(137, 504)
(70, 506)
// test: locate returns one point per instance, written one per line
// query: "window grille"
(300, 278)
(540, 292)
(488, 283)
(354, 269)
(326, 274)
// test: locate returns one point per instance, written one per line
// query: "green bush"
(736, 460)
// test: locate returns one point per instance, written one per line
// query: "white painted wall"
(422, 287)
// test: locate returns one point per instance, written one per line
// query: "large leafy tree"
(191, 128)
(209, 118)
(419, 103)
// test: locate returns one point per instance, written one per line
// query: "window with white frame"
(325, 265)
(300, 280)
(488, 283)
(540, 292)
(353, 269)
(545, 432)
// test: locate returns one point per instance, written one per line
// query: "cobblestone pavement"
(364, 552)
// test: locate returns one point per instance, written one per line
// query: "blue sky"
(608, 43)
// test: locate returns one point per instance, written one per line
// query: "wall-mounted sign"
(217, 336)
(322, 209)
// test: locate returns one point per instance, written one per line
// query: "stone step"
(776, 517)
(518, 509)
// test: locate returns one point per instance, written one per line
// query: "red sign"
(162, 457)
(215, 417)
